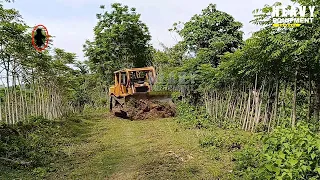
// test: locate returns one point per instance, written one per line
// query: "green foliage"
(42, 147)
(30, 144)
(197, 116)
(121, 41)
(36, 145)
(206, 37)
(271, 56)
(233, 140)
(13, 37)
(213, 32)
(286, 154)
(192, 116)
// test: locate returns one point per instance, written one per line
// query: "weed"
(34, 145)
(287, 153)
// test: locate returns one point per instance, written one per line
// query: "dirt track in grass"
(149, 149)
(114, 148)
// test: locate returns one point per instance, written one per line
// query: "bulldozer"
(132, 96)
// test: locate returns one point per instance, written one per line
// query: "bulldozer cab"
(130, 81)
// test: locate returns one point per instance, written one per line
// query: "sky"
(79, 17)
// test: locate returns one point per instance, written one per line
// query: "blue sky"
(79, 17)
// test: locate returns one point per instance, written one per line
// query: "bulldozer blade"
(164, 96)
(140, 106)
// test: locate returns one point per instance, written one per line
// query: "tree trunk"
(247, 111)
(22, 105)
(8, 98)
(276, 102)
(309, 96)
(294, 109)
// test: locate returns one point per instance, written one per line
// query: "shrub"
(192, 116)
(213, 141)
(30, 144)
(286, 153)
(226, 139)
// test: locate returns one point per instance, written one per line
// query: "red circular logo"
(36, 42)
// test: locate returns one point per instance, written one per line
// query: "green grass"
(104, 147)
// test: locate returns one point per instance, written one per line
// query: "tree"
(212, 33)
(120, 40)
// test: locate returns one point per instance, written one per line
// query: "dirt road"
(149, 149)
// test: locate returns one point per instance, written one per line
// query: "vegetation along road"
(104, 147)
(247, 107)
(153, 149)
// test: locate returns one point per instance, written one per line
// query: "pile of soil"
(146, 109)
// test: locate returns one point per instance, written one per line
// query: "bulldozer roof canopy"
(136, 69)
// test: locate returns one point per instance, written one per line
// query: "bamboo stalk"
(251, 113)
(294, 109)
(22, 107)
(247, 112)
(276, 102)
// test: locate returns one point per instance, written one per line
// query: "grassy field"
(110, 148)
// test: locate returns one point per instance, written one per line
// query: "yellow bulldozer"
(132, 95)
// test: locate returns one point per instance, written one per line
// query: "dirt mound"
(146, 109)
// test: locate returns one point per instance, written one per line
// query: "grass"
(104, 147)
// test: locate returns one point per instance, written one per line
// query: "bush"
(30, 144)
(226, 139)
(287, 153)
(192, 116)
